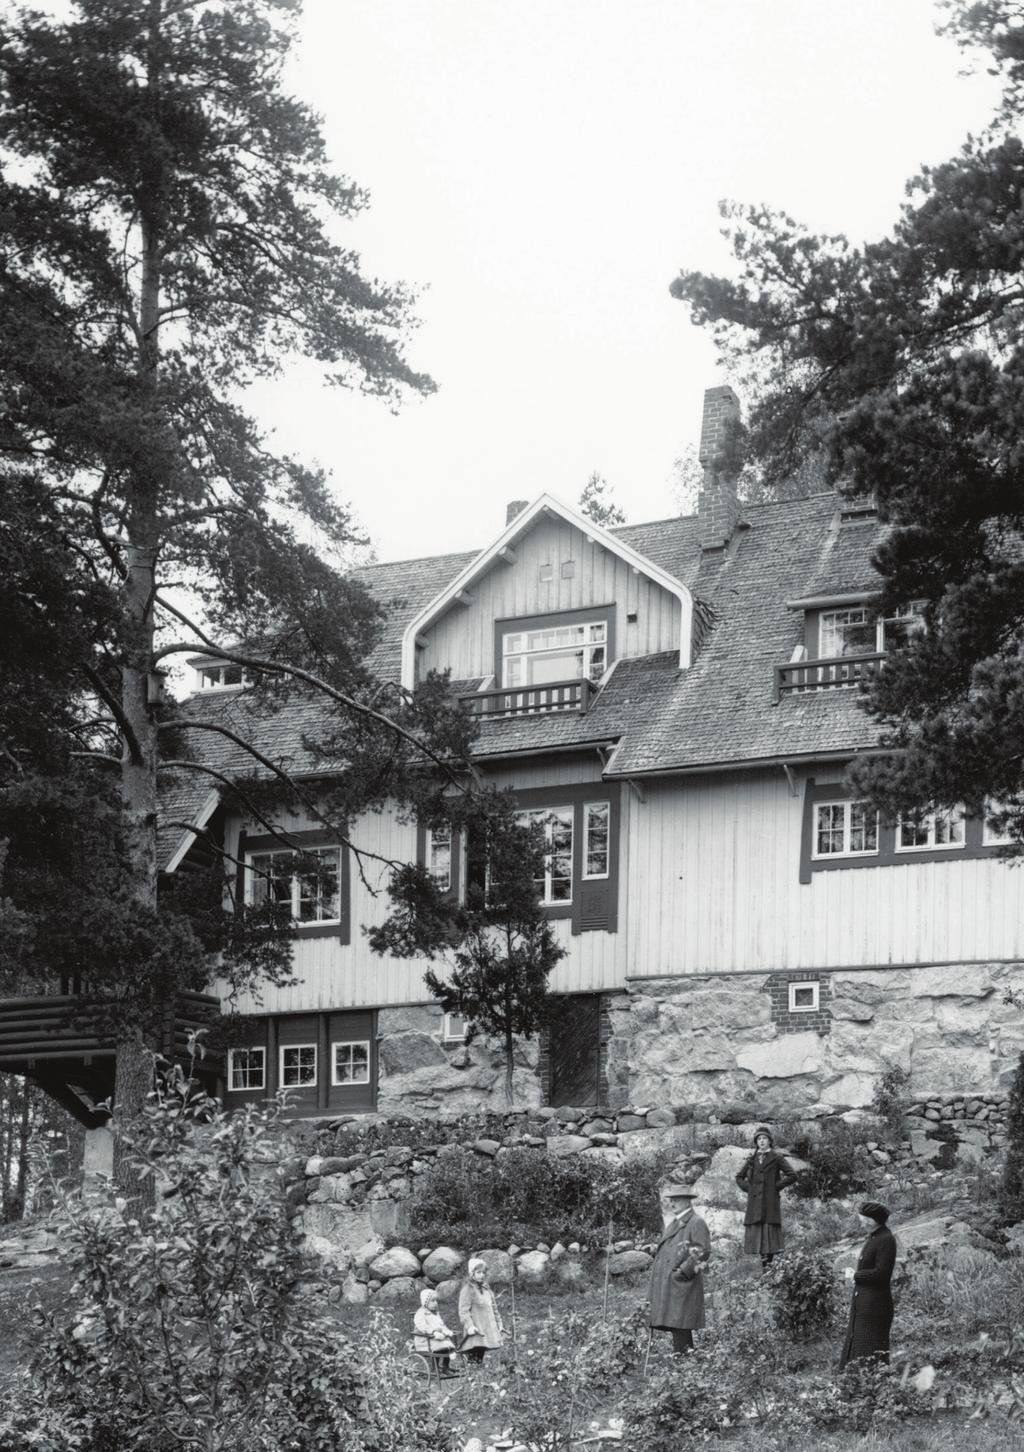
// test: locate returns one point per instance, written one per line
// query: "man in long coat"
(677, 1282)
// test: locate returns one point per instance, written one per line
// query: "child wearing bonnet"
(478, 1312)
(431, 1335)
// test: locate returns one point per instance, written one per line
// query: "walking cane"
(515, 1344)
(647, 1353)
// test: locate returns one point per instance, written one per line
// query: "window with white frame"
(857, 630)
(439, 856)
(992, 836)
(935, 831)
(247, 1069)
(555, 886)
(454, 1030)
(298, 1066)
(596, 838)
(844, 829)
(804, 997)
(554, 653)
(350, 1062)
(222, 676)
(306, 885)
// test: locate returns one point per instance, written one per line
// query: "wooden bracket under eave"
(464, 597)
(636, 789)
(507, 554)
(794, 785)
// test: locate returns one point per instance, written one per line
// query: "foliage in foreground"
(185, 1326)
(468, 1201)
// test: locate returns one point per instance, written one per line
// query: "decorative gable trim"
(503, 545)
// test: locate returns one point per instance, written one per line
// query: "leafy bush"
(803, 1293)
(839, 1163)
(890, 1100)
(1013, 1173)
(184, 1324)
(524, 1194)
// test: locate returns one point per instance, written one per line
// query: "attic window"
(220, 676)
(547, 572)
(556, 653)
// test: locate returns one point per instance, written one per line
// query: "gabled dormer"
(538, 620)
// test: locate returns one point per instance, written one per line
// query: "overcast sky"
(541, 169)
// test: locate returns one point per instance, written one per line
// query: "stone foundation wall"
(419, 1073)
(717, 1043)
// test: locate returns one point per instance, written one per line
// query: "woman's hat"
(675, 1190)
(427, 1295)
(874, 1211)
(763, 1129)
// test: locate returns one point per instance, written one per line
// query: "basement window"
(350, 1063)
(804, 997)
(298, 1066)
(247, 1069)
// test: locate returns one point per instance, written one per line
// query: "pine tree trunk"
(134, 1064)
(24, 1132)
(510, 1095)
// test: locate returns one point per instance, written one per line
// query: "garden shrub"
(1013, 1172)
(467, 1199)
(184, 1324)
(839, 1163)
(803, 1285)
(890, 1101)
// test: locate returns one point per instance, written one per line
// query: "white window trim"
(337, 1083)
(931, 845)
(596, 876)
(300, 923)
(586, 648)
(201, 689)
(814, 985)
(846, 804)
(446, 1033)
(989, 836)
(449, 885)
(246, 1088)
(529, 812)
(281, 1050)
(881, 622)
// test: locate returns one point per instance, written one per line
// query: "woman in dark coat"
(765, 1174)
(677, 1282)
(871, 1308)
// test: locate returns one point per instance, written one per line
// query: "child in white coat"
(431, 1335)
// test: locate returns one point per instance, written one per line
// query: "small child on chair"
(431, 1335)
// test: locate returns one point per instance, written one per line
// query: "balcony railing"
(573, 695)
(825, 675)
(54, 1027)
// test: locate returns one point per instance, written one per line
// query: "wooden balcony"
(573, 695)
(825, 675)
(65, 1046)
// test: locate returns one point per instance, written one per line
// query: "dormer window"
(220, 676)
(857, 630)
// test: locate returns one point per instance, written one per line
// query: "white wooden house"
(680, 700)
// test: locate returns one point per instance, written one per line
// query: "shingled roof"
(657, 716)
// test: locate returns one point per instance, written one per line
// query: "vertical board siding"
(712, 885)
(462, 641)
(334, 975)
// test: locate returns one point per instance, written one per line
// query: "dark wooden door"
(575, 1049)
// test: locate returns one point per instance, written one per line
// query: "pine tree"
(902, 361)
(170, 231)
(598, 503)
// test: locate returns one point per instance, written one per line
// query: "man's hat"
(677, 1191)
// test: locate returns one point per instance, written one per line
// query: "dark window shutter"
(345, 895)
(240, 870)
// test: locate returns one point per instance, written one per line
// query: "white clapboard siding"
(462, 641)
(713, 885)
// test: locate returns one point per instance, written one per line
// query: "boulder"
(334, 1255)
(783, 1058)
(367, 1252)
(394, 1264)
(564, 1145)
(346, 1225)
(532, 1267)
(726, 1227)
(441, 1264)
(952, 981)
(400, 1288)
(406, 1052)
(717, 1186)
(594, 1127)
(354, 1292)
(446, 1289)
(660, 1119)
(498, 1263)
(488, 1147)
(629, 1262)
(626, 1122)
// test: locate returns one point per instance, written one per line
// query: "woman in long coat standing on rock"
(677, 1282)
(871, 1309)
(764, 1176)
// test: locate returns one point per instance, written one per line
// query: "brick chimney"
(717, 505)
(512, 508)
